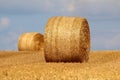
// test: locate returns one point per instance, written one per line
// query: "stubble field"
(102, 65)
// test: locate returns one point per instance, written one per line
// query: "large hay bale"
(67, 39)
(30, 42)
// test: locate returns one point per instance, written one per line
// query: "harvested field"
(21, 57)
(102, 65)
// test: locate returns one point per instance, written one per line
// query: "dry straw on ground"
(67, 39)
(30, 42)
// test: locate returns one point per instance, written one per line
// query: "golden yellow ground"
(102, 65)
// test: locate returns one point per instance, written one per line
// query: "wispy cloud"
(9, 41)
(107, 40)
(96, 9)
(113, 42)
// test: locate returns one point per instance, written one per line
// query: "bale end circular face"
(30, 42)
(67, 39)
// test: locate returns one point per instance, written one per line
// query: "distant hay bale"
(30, 42)
(67, 39)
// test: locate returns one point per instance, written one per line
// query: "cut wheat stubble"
(32, 41)
(67, 39)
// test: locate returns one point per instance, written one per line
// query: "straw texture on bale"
(30, 42)
(67, 39)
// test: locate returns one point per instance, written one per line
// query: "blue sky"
(20, 16)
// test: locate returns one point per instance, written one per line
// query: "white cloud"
(71, 8)
(94, 8)
(4, 23)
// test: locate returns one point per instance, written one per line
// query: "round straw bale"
(30, 42)
(67, 39)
